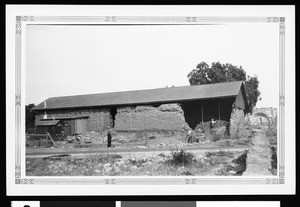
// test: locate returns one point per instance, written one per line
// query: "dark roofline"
(143, 97)
(150, 89)
(130, 104)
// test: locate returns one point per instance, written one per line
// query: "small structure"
(53, 127)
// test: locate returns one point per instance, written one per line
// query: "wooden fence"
(47, 137)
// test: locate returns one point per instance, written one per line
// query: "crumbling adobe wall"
(236, 120)
(258, 120)
(98, 120)
(166, 117)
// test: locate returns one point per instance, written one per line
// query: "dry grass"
(177, 162)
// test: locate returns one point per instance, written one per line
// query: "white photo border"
(22, 179)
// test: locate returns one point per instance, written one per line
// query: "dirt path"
(259, 155)
(140, 154)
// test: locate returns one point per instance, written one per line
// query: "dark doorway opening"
(205, 110)
(113, 112)
(192, 113)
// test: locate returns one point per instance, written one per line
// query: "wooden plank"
(202, 111)
(51, 138)
(37, 135)
(219, 110)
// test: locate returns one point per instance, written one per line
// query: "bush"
(215, 137)
(181, 157)
(272, 132)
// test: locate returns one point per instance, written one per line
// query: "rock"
(116, 170)
(243, 141)
(108, 169)
(107, 165)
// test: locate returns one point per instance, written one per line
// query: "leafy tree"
(218, 73)
(252, 92)
(30, 118)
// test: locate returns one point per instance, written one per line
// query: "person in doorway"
(212, 123)
(109, 136)
(189, 136)
(62, 136)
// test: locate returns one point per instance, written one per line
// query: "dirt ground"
(247, 156)
(259, 158)
(196, 162)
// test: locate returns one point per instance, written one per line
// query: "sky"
(63, 60)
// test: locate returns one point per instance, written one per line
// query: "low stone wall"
(165, 118)
(99, 119)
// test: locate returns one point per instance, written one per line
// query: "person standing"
(109, 136)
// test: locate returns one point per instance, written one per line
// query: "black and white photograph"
(116, 99)
(171, 100)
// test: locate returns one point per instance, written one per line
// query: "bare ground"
(259, 156)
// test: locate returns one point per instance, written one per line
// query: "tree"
(218, 73)
(30, 118)
(252, 92)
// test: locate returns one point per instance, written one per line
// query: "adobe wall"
(269, 111)
(236, 120)
(166, 117)
(99, 119)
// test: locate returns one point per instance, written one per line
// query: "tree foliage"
(218, 73)
(30, 118)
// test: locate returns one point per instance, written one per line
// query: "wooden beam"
(202, 111)
(219, 110)
(51, 138)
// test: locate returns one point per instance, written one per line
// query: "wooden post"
(49, 136)
(202, 111)
(219, 110)
(53, 131)
(47, 141)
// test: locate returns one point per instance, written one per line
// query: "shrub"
(272, 132)
(181, 157)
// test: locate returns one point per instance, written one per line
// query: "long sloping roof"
(161, 95)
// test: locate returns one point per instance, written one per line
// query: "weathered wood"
(40, 137)
(37, 135)
(49, 136)
(219, 109)
(202, 112)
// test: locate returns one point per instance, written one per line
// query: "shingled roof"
(150, 96)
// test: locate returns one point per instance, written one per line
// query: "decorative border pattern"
(21, 22)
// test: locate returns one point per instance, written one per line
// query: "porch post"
(219, 110)
(202, 111)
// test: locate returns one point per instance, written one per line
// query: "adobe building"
(164, 110)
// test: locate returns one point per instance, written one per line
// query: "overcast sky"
(73, 60)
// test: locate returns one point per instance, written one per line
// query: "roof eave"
(128, 104)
